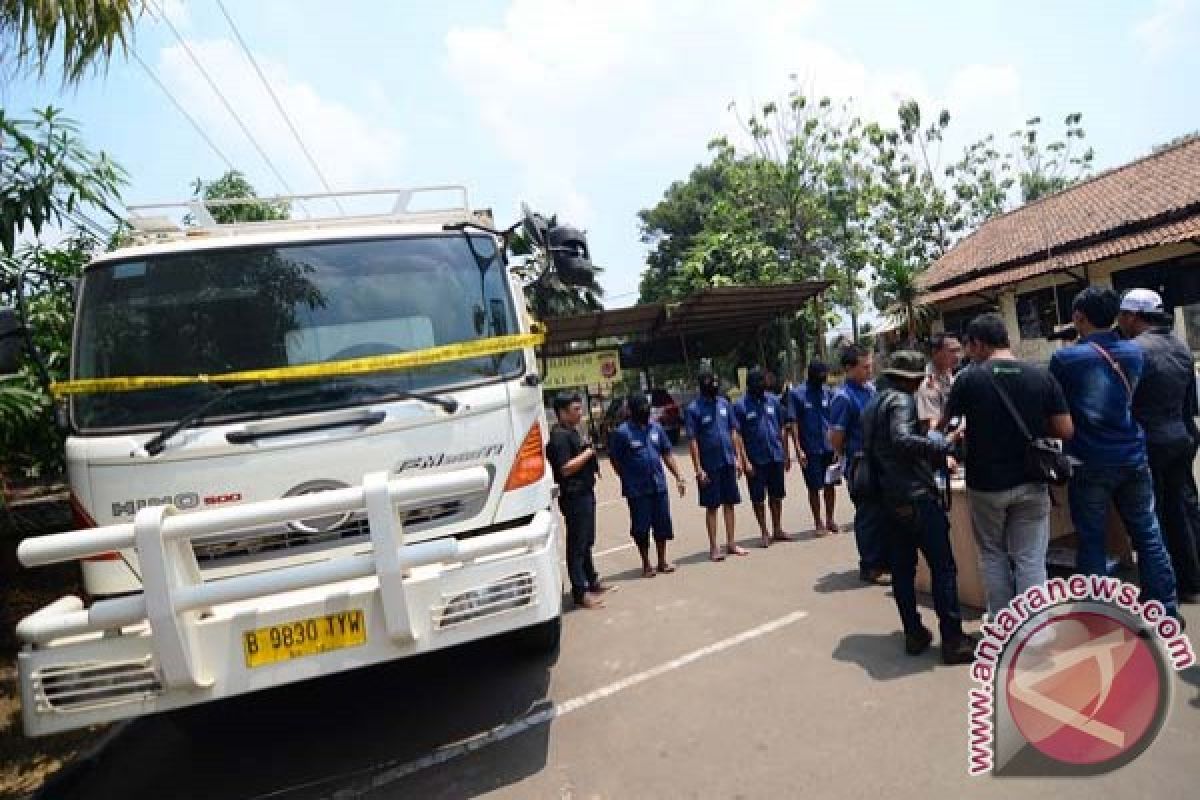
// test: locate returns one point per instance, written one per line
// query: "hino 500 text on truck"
(295, 448)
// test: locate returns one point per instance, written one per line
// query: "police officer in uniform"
(575, 468)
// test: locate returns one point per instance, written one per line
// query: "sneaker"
(917, 641)
(959, 650)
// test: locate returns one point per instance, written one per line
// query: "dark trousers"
(870, 517)
(1178, 509)
(579, 514)
(920, 523)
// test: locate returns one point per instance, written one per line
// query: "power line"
(278, 105)
(224, 101)
(179, 107)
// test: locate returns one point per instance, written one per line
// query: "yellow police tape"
(391, 362)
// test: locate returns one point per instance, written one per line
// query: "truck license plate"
(304, 637)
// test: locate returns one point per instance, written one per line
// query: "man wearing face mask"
(638, 448)
(809, 414)
(760, 419)
(717, 455)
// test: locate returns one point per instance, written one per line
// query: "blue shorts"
(650, 511)
(766, 480)
(814, 471)
(722, 488)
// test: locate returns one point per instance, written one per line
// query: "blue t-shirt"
(1106, 434)
(760, 421)
(809, 410)
(637, 453)
(711, 423)
(845, 413)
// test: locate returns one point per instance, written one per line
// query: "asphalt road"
(773, 675)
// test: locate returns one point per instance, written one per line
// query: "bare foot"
(766, 541)
(715, 555)
(833, 527)
(666, 568)
(821, 533)
(736, 550)
(591, 601)
(648, 572)
(783, 537)
(602, 588)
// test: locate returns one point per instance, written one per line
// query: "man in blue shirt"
(1098, 376)
(717, 456)
(637, 449)
(761, 419)
(808, 412)
(846, 436)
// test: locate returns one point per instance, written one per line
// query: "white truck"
(244, 524)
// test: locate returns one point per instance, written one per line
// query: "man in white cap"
(1164, 404)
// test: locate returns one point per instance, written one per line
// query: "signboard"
(586, 369)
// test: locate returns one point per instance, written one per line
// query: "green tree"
(895, 293)
(233, 185)
(86, 32)
(48, 175)
(31, 443)
(1046, 168)
(670, 228)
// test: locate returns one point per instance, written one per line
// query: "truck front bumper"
(183, 641)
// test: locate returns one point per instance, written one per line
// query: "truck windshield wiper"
(159, 443)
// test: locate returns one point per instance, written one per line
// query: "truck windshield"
(214, 311)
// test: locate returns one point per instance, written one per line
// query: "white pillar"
(1008, 310)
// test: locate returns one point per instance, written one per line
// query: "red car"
(667, 413)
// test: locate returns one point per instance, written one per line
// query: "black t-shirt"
(566, 443)
(995, 445)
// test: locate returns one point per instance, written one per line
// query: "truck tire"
(539, 640)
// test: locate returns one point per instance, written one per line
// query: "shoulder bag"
(1045, 462)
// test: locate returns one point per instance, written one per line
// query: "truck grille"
(210, 552)
(94, 684)
(507, 594)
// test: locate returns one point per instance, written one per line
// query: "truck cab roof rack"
(428, 205)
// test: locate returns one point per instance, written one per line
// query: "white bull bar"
(175, 595)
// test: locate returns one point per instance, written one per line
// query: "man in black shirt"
(1010, 514)
(575, 469)
(1164, 404)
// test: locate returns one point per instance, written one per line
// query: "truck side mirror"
(569, 252)
(12, 341)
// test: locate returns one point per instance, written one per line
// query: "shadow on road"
(309, 739)
(1192, 675)
(882, 656)
(845, 581)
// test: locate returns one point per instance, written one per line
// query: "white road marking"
(383, 775)
(612, 550)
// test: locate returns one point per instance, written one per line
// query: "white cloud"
(1167, 28)
(577, 94)
(353, 150)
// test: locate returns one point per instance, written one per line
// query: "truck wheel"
(541, 639)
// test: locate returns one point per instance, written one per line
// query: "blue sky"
(593, 109)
